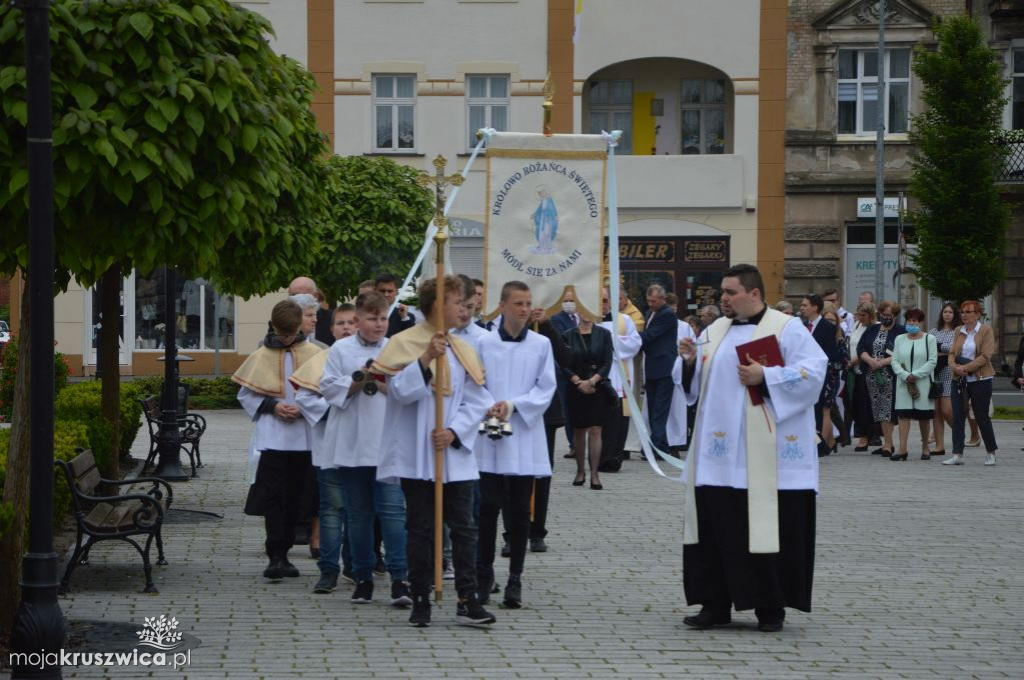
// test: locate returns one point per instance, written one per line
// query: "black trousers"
(613, 435)
(979, 394)
(509, 495)
(720, 571)
(283, 477)
(538, 527)
(419, 528)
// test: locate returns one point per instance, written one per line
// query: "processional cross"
(441, 183)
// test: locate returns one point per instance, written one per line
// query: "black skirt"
(720, 569)
(586, 410)
(914, 414)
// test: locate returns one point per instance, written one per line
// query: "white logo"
(160, 633)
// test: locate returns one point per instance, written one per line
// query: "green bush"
(203, 393)
(9, 369)
(68, 434)
(83, 402)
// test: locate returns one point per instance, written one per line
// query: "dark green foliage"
(179, 136)
(378, 217)
(961, 225)
(67, 435)
(81, 402)
(9, 369)
(203, 393)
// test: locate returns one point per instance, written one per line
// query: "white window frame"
(625, 146)
(488, 102)
(861, 80)
(395, 102)
(703, 107)
(1016, 46)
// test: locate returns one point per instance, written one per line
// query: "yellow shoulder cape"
(263, 370)
(406, 347)
(308, 375)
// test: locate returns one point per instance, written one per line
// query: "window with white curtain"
(611, 108)
(394, 106)
(858, 91)
(487, 101)
(703, 116)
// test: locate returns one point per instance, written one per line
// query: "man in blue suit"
(659, 344)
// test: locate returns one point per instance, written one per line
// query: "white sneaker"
(955, 459)
(990, 459)
(449, 574)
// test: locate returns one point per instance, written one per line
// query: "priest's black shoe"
(288, 569)
(770, 620)
(274, 570)
(538, 545)
(513, 592)
(708, 618)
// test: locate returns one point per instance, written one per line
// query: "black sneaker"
(348, 576)
(513, 592)
(288, 569)
(400, 594)
(471, 613)
(363, 594)
(274, 570)
(506, 550)
(326, 584)
(538, 545)
(420, 616)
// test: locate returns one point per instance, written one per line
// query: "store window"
(204, 319)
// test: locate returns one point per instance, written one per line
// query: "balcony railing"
(1013, 164)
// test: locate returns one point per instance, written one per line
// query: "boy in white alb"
(352, 440)
(334, 547)
(280, 432)
(410, 438)
(520, 372)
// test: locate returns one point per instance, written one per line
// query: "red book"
(764, 351)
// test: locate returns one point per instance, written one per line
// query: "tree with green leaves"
(961, 224)
(377, 217)
(180, 138)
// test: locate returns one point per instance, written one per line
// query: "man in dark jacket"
(400, 318)
(824, 332)
(659, 344)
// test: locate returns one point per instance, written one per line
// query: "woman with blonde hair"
(971, 358)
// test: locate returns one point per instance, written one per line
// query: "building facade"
(831, 106)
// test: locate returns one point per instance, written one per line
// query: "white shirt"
(524, 374)
(355, 424)
(314, 408)
(406, 450)
(471, 334)
(719, 448)
(676, 427)
(623, 349)
(970, 349)
(270, 432)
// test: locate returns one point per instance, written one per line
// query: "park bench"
(138, 512)
(191, 427)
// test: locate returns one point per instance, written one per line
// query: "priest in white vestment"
(520, 371)
(677, 425)
(749, 528)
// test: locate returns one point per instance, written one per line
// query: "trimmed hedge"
(67, 435)
(203, 393)
(9, 369)
(83, 402)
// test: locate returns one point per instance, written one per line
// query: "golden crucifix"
(441, 183)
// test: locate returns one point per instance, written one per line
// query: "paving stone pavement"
(918, 575)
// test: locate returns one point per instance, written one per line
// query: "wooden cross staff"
(441, 183)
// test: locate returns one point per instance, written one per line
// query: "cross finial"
(441, 183)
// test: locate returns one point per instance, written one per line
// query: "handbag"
(610, 393)
(933, 389)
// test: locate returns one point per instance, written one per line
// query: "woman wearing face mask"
(913, 361)
(949, 319)
(875, 352)
(970, 355)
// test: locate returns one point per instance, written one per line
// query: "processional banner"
(545, 217)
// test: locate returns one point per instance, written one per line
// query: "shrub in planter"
(82, 402)
(9, 369)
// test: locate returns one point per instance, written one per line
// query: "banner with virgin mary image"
(545, 218)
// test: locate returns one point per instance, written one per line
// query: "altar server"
(520, 372)
(752, 473)
(624, 348)
(334, 549)
(280, 433)
(352, 441)
(677, 425)
(410, 438)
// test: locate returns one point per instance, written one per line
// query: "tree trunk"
(16, 485)
(107, 358)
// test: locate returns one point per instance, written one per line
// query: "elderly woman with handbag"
(875, 351)
(913, 361)
(971, 357)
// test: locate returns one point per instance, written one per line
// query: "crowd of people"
(343, 406)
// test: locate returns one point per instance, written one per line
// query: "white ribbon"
(650, 450)
(485, 135)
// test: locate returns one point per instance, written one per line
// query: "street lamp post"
(168, 466)
(39, 623)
